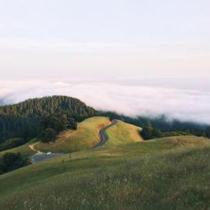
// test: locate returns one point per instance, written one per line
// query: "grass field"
(85, 137)
(123, 133)
(166, 174)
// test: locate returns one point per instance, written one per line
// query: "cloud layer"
(129, 98)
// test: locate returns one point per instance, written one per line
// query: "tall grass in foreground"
(166, 174)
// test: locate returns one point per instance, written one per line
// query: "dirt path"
(103, 135)
(31, 146)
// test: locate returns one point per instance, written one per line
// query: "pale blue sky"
(63, 39)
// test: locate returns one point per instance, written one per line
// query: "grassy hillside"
(169, 173)
(23, 149)
(86, 136)
(123, 133)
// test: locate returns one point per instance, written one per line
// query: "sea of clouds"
(175, 99)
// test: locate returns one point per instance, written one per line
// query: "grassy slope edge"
(169, 173)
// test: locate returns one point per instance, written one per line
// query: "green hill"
(87, 136)
(169, 173)
(26, 119)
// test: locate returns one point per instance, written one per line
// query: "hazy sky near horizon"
(67, 39)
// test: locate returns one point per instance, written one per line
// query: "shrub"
(150, 132)
(12, 161)
(48, 135)
(10, 143)
(72, 124)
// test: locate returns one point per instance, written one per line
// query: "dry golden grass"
(85, 137)
(123, 133)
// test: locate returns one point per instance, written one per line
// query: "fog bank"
(130, 97)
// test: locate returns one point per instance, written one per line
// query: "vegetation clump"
(48, 135)
(12, 161)
(54, 124)
(149, 132)
(10, 143)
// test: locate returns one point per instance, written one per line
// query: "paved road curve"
(42, 156)
(103, 135)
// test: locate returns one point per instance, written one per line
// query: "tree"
(10, 143)
(12, 161)
(72, 124)
(49, 134)
(150, 132)
(208, 132)
(147, 133)
(58, 122)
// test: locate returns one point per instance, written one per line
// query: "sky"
(135, 57)
(62, 39)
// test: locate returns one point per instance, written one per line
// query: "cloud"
(129, 98)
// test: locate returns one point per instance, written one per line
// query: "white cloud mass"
(132, 98)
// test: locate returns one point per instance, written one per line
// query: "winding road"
(103, 137)
(41, 156)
